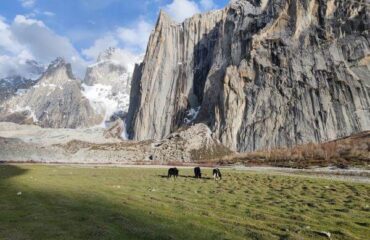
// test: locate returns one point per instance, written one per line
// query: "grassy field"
(64, 202)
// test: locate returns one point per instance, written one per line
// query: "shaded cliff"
(262, 74)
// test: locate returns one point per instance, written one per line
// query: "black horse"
(173, 172)
(197, 172)
(217, 174)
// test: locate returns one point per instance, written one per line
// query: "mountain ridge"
(54, 101)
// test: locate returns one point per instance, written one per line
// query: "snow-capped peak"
(58, 62)
(108, 54)
(107, 83)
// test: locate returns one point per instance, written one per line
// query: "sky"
(78, 30)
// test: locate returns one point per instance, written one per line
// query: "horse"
(173, 172)
(217, 174)
(197, 172)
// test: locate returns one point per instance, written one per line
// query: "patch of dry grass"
(343, 153)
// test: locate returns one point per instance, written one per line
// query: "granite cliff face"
(260, 73)
(55, 101)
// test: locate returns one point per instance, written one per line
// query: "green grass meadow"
(69, 202)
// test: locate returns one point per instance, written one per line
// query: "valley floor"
(101, 202)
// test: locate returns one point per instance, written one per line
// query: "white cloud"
(49, 14)
(130, 41)
(124, 56)
(16, 65)
(179, 10)
(134, 39)
(36, 12)
(26, 37)
(13, 56)
(44, 44)
(28, 3)
(137, 36)
(99, 46)
(32, 39)
(20, 19)
(127, 58)
(8, 43)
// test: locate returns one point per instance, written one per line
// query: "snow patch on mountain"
(101, 99)
(107, 84)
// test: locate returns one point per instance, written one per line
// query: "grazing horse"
(197, 172)
(173, 172)
(217, 174)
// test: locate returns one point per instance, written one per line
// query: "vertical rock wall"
(265, 74)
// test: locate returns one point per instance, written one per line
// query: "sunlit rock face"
(263, 74)
(54, 101)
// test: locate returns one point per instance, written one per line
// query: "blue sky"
(80, 29)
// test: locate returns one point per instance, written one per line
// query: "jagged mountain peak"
(58, 62)
(108, 54)
(55, 100)
(58, 67)
(163, 17)
(115, 57)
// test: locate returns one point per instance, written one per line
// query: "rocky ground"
(20, 143)
(188, 146)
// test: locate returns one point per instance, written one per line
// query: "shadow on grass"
(61, 213)
(9, 171)
(187, 176)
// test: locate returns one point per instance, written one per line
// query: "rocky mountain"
(107, 84)
(59, 100)
(261, 74)
(54, 101)
(11, 86)
(17, 82)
